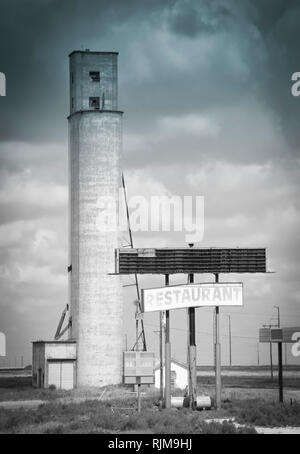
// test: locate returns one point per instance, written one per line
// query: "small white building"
(179, 375)
(54, 363)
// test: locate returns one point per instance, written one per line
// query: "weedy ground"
(113, 410)
(117, 414)
(264, 413)
(114, 416)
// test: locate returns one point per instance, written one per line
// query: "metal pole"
(271, 350)
(217, 355)
(139, 398)
(167, 356)
(285, 353)
(278, 316)
(135, 276)
(161, 366)
(271, 361)
(280, 375)
(192, 354)
(136, 330)
(230, 353)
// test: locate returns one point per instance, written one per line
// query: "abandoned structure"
(95, 142)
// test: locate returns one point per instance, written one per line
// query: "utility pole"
(258, 353)
(167, 356)
(278, 316)
(217, 355)
(280, 373)
(271, 355)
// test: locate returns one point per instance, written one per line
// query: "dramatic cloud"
(205, 86)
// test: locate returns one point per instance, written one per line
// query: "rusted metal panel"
(190, 260)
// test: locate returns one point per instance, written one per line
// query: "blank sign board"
(192, 295)
(288, 334)
(139, 367)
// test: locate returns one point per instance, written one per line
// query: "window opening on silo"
(94, 102)
(95, 76)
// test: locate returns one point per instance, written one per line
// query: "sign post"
(138, 370)
(161, 365)
(280, 375)
(139, 398)
(192, 355)
(190, 261)
(167, 356)
(217, 355)
(192, 296)
(279, 335)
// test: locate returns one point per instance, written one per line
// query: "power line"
(204, 332)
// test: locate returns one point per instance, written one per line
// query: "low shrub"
(263, 413)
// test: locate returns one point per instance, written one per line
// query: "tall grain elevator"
(95, 143)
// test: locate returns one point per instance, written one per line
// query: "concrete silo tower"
(95, 141)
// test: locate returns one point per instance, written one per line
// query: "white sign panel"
(192, 295)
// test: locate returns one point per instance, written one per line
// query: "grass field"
(248, 396)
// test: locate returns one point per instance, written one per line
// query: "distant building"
(179, 375)
(54, 363)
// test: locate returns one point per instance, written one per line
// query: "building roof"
(69, 341)
(88, 51)
(178, 363)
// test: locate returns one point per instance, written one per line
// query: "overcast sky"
(206, 90)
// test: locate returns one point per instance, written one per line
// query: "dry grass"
(113, 410)
(100, 417)
(264, 413)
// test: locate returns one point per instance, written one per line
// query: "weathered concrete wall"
(95, 142)
(81, 85)
(60, 350)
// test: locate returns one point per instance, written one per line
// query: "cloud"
(205, 86)
(189, 18)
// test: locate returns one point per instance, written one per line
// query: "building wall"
(60, 350)
(81, 86)
(95, 142)
(181, 380)
(45, 351)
